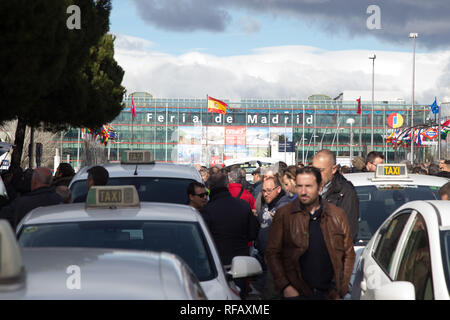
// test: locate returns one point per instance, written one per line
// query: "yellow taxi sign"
(397, 171)
(112, 197)
(137, 157)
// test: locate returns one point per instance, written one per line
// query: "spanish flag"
(217, 106)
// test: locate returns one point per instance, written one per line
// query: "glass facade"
(181, 130)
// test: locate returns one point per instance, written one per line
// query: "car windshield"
(151, 189)
(184, 239)
(445, 236)
(376, 203)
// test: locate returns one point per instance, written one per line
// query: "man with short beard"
(310, 249)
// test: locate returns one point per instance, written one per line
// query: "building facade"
(181, 130)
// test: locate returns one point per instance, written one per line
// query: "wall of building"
(181, 130)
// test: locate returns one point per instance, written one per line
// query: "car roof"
(104, 274)
(158, 169)
(443, 207)
(78, 212)
(364, 179)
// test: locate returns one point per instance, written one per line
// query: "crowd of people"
(29, 189)
(298, 221)
(304, 217)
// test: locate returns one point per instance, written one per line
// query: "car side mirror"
(397, 290)
(12, 272)
(243, 267)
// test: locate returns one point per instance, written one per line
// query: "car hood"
(216, 290)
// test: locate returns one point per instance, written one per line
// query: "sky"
(282, 49)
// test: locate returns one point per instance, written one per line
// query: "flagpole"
(208, 163)
(360, 127)
(439, 132)
(78, 150)
(132, 127)
(167, 115)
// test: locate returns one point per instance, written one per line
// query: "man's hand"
(290, 291)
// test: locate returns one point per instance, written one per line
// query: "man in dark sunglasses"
(198, 196)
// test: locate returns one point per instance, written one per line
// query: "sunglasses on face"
(202, 195)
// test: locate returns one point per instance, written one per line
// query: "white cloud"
(279, 72)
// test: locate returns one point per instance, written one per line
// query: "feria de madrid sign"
(251, 119)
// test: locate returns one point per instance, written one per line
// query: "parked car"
(154, 181)
(408, 257)
(380, 193)
(91, 274)
(113, 217)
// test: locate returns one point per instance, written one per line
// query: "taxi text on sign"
(392, 171)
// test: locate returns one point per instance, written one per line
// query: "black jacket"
(444, 174)
(342, 194)
(231, 223)
(41, 197)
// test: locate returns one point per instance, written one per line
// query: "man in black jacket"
(338, 190)
(42, 194)
(230, 221)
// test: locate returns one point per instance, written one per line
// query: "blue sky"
(281, 49)
(274, 31)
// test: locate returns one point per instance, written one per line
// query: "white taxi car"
(409, 256)
(91, 274)
(154, 181)
(113, 217)
(383, 191)
(380, 193)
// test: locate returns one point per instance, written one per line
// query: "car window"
(415, 265)
(388, 239)
(376, 203)
(3, 192)
(184, 239)
(151, 189)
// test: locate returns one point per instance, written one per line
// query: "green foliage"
(55, 77)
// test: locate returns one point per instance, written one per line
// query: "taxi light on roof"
(137, 157)
(391, 172)
(112, 197)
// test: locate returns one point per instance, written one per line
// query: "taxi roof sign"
(137, 157)
(111, 197)
(396, 171)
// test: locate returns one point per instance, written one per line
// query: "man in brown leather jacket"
(310, 249)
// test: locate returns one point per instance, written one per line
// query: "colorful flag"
(133, 108)
(430, 133)
(434, 107)
(359, 105)
(217, 106)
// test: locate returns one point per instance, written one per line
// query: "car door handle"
(363, 285)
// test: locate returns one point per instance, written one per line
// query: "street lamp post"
(285, 136)
(351, 121)
(372, 57)
(413, 36)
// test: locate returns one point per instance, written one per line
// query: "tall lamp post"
(372, 57)
(285, 136)
(351, 121)
(413, 36)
